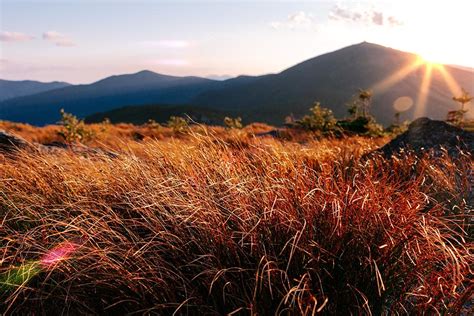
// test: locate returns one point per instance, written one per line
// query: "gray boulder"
(425, 135)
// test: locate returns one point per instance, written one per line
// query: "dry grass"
(222, 222)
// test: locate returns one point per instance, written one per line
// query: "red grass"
(226, 222)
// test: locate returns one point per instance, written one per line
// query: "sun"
(429, 67)
(431, 59)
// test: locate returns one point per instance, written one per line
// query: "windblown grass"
(208, 224)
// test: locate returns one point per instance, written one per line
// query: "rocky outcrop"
(10, 144)
(426, 135)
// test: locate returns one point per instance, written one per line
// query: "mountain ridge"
(331, 78)
(10, 89)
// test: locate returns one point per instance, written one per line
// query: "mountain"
(144, 87)
(333, 79)
(12, 89)
(463, 67)
(219, 77)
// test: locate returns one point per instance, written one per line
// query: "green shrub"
(73, 129)
(320, 119)
(373, 128)
(233, 123)
(178, 124)
(360, 121)
(362, 125)
(151, 123)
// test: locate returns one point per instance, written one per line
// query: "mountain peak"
(147, 72)
(367, 45)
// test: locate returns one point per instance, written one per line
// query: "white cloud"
(58, 39)
(296, 20)
(15, 37)
(369, 16)
(377, 18)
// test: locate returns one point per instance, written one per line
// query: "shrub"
(398, 128)
(360, 104)
(178, 124)
(233, 123)
(105, 125)
(151, 123)
(73, 129)
(320, 119)
(360, 121)
(463, 99)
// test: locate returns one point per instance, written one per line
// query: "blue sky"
(83, 41)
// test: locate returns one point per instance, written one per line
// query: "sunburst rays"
(450, 81)
(390, 81)
(420, 105)
(428, 69)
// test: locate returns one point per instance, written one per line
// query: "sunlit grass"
(215, 222)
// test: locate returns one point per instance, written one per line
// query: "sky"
(82, 41)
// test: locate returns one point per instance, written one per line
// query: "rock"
(273, 133)
(78, 149)
(425, 135)
(89, 151)
(10, 143)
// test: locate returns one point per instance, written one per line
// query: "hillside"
(144, 87)
(159, 113)
(333, 79)
(12, 89)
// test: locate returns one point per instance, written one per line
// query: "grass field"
(217, 221)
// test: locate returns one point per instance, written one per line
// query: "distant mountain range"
(332, 79)
(13, 89)
(142, 88)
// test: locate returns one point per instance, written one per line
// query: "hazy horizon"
(84, 41)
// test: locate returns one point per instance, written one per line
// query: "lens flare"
(57, 254)
(403, 104)
(21, 275)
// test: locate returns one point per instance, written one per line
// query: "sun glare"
(428, 66)
(431, 60)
